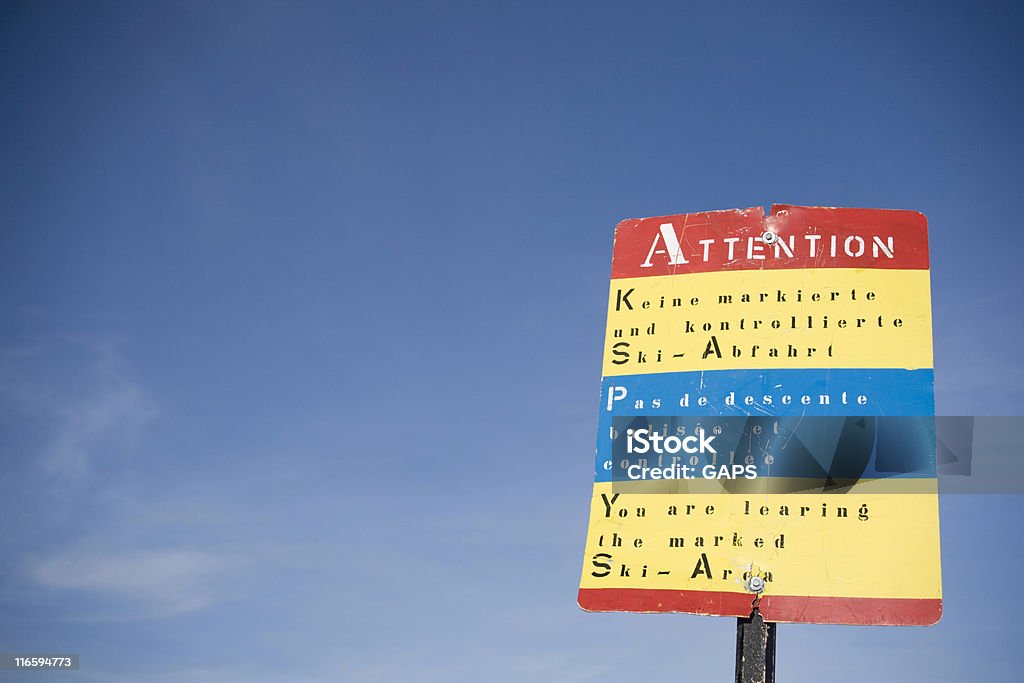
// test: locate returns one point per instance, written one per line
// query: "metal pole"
(755, 649)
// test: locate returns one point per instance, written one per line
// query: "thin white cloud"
(111, 417)
(159, 582)
(91, 408)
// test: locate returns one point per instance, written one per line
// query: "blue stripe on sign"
(771, 392)
(762, 393)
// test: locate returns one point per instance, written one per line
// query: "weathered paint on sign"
(794, 320)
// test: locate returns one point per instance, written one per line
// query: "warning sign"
(765, 433)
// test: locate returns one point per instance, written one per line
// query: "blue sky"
(302, 312)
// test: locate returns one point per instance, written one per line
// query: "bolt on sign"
(766, 433)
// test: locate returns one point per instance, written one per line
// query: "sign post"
(766, 435)
(755, 649)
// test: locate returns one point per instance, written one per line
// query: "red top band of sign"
(801, 237)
